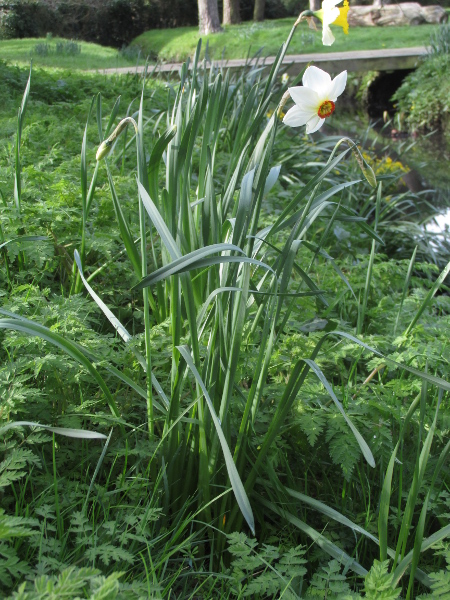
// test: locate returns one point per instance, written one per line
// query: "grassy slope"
(178, 44)
(92, 56)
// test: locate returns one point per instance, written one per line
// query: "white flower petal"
(317, 80)
(296, 116)
(330, 16)
(305, 97)
(337, 86)
(329, 4)
(327, 37)
(314, 124)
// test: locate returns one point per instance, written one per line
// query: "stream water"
(427, 158)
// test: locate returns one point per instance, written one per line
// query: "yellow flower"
(341, 21)
(331, 14)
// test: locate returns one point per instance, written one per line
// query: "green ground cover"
(43, 52)
(237, 40)
(343, 459)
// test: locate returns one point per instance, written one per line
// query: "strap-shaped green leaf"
(126, 236)
(319, 204)
(437, 284)
(440, 383)
(233, 474)
(122, 331)
(83, 434)
(317, 537)
(159, 223)
(199, 263)
(155, 160)
(330, 512)
(361, 442)
(70, 348)
(307, 189)
(25, 238)
(427, 543)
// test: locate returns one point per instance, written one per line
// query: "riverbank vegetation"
(423, 97)
(237, 41)
(292, 439)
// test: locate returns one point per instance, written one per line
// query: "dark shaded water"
(426, 156)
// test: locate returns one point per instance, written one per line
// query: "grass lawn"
(236, 40)
(92, 56)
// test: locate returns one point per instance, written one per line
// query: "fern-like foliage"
(15, 466)
(312, 424)
(344, 449)
(378, 583)
(108, 553)
(82, 583)
(264, 572)
(440, 587)
(11, 567)
(14, 527)
(328, 583)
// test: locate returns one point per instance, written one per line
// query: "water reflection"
(439, 224)
(426, 158)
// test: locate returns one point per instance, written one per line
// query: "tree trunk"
(231, 12)
(258, 12)
(208, 17)
(315, 5)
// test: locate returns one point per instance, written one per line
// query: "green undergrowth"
(239, 40)
(124, 517)
(423, 98)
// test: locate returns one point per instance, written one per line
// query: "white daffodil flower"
(331, 14)
(314, 101)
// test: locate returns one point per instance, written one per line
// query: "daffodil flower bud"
(105, 146)
(103, 150)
